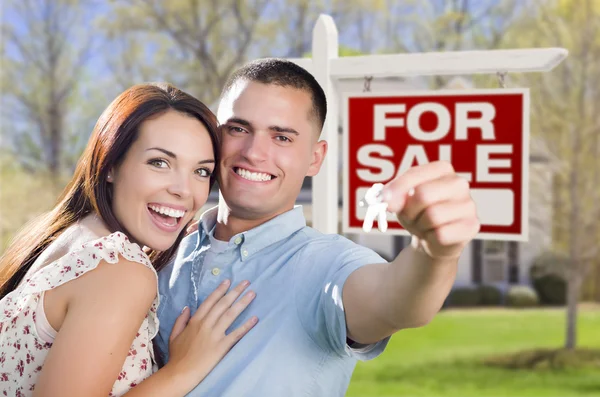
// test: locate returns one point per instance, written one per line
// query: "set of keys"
(376, 208)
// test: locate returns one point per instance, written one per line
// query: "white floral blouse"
(23, 351)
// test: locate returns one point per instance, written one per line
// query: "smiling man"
(323, 302)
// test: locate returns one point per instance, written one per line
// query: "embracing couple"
(110, 294)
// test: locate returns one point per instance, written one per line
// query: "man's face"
(269, 145)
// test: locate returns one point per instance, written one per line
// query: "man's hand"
(434, 204)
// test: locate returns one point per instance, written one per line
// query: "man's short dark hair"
(283, 73)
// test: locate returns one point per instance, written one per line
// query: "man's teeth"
(167, 211)
(253, 176)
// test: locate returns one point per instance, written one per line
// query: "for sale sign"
(483, 133)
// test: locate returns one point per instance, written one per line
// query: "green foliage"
(549, 262)
(490, 295)
(520, 296)
(551, 289)
(464, 297)
(546, 275)
(482, 295)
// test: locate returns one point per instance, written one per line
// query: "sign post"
(328, 68)
(484, 134)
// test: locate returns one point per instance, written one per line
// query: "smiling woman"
(164, 178)
(78, 292)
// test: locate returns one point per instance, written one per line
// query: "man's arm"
(433, 203)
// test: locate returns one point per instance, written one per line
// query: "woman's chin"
(160, 244)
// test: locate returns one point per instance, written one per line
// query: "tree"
(194, 44)
(44, 55)
(197, 44)
(565, 115)
(449, 25)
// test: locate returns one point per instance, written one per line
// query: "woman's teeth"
(253, 176)
(167, 211)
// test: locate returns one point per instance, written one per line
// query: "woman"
(78, 293)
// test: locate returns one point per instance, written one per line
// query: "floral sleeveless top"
(23, 351)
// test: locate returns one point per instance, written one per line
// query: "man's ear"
(319, 151)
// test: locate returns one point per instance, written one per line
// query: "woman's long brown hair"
(89, 192)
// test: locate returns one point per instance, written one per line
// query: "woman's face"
(164, 179)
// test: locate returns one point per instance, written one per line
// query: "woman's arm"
(105, 308)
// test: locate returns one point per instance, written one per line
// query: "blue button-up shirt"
(298, 348)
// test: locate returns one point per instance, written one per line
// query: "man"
(322, 301)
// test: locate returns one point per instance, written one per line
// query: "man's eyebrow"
(284, 129)
(171, 154)
(275, 128)
(239, 121)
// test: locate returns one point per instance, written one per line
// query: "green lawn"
(442, 359)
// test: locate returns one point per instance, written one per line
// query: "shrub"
(548, 263)
(546, 276)
(464, 297)
(490, 295)
(552, 289)
(522, 296)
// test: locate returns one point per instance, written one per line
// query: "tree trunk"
(55, 140)
(573, 273)
(577, 268)
(573, 288)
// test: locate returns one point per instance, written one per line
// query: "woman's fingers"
(224, 304)
(233, 312)
(237, 334)
(180, 323)
(210, 301)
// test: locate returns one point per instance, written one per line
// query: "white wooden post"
(325, 183)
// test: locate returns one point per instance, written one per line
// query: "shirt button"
(216, 271)
(245, 252)
(238, 240)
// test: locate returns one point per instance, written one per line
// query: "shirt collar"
(254, 240)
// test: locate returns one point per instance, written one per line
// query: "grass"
(447, 357)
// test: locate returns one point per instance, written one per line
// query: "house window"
(495, 262)
(494, 247)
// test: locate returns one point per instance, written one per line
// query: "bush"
(522, 296)
(548, 263)
(490, 295)
(464, 297)
(552, 289)
(546, 276)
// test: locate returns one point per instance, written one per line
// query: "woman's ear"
(110, 176)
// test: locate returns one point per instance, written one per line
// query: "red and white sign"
(483, 133)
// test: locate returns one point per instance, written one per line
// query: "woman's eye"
(204, 172)
(159, 163)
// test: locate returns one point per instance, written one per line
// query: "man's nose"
(257, 148)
